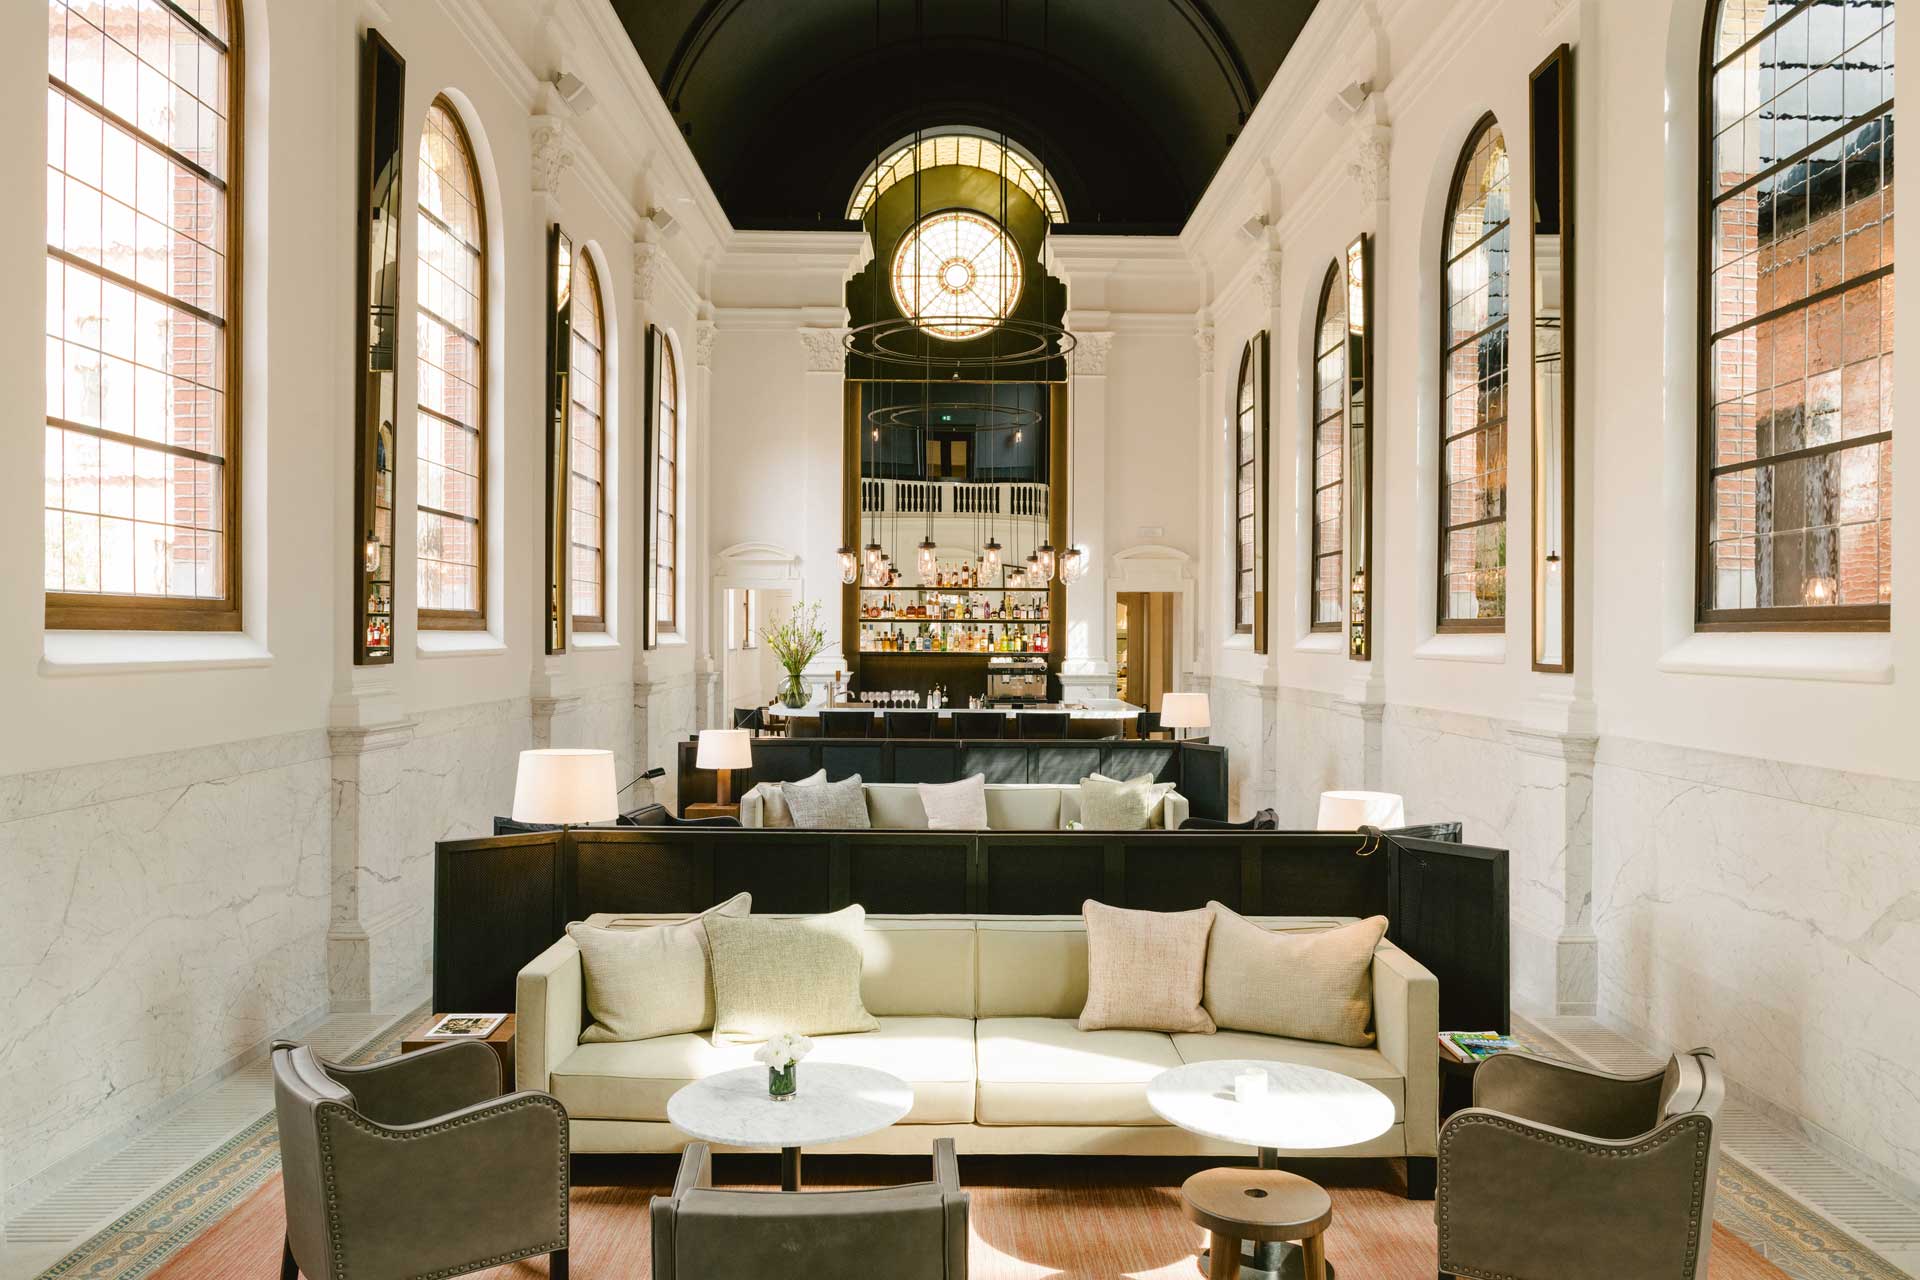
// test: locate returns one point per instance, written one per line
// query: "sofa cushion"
(1309, 986)
(1025, 806)
(1367, 1065)
(800, 975)
(828, 806)
(649, 980)
(1048, 1071)
(634, 1079)
(1145, 969)
(1032, 968)
(1110, 805)
(895, 806)
(774, 801)
(956, 806)
(922, 967)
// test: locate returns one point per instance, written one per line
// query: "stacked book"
(1478, 1046)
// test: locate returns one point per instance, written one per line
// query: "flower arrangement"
(796, 640)
(782, 1055)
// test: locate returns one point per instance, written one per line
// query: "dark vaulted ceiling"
(1132, 104)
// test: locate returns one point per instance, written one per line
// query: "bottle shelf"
(895, 619)
(948, 591)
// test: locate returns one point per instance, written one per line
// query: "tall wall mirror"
(1553, 258)
(383, 76)
(559, 434)
(1357, 271)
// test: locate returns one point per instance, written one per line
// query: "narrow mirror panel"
(382, 99)
(1359, 450)
(1552, 257)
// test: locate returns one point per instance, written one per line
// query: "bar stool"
(750, 719)
(1043, 724)
(979, 724)
(911, 724)
(846, 724)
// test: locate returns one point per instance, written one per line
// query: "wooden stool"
(1264, 1208)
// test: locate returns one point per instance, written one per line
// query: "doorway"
(751, 675)
(1143, 646)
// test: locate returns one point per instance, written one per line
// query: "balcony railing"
(951, 497)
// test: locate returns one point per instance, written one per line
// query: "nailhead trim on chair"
(337, 1246)
(1699, 1128)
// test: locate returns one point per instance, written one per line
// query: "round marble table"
(1306, 1109)
(835, 1102)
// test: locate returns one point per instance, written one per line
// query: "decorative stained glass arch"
(956, 274)
(958, 145)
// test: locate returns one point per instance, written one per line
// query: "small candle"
(1250, 1086)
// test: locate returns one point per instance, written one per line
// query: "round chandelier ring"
(922, 417)
(903, 341)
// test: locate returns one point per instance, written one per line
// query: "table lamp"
(565, 787)
(1184, 711)
(725, 750)
(1351, 810)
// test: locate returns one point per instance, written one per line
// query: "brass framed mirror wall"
(1362, 588)
(559, 434)
(1552, 254)
(383, 77)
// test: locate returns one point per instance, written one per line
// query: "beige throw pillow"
(1305, 986)
(956, 806)
(1145, 969)
(798, 975)
(774, 801)
(649, 981)
(1107, 805)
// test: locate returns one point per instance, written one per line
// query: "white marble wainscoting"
(165, 915)
(1523, 790)
(664, 714)
(397, 790)
(1319, 745)
(600, 717)
(1773, 912)
(1241, 725)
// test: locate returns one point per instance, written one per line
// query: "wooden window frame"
(666, 479)
(1336, 278)
(1810, 618)
(98, 611)
(1442, 623)
(1246, 421)
(597, 620)
(474, 619)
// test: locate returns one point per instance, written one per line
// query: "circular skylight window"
(956, 274)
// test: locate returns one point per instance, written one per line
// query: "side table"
(501, 1042)
(712, 811)
(1261, 1206)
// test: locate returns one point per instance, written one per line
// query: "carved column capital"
(703, 335)
(1203, 339)
(1266, 278)
(1090, 351)
(1372, 158)
(554, 152)
(826, 349)
(648, 259)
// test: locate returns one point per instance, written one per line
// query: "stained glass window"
(1329, 452)
(958, 147)
(587, 419)
(451, 350)
(1473, 415)
(956, 274)
(1797, 353)
(142, 129)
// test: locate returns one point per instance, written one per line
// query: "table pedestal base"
(1267, 1260)
(789, 1168)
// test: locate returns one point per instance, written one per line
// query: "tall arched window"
(666, 502)
(588, 418)
(1329, 452)
(142, 472)
(1245, 494)
(1796, 363)
(450, 341)
(1473, 412)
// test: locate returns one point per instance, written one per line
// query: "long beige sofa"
(1011, 806)
(978, 1014)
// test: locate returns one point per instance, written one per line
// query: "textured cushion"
(1307, 986)
(1032, 968)
(1145, 969)
(922, 967)
(956, 806)
(651, 981)
(827, 806)
(775, 800)
(800, 975)
(1106, 805)
(1025, 806)
(1048, 1071)
(633, 1080)
(1369, 1066)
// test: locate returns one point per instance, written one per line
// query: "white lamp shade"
(1351, 810)
(724, 749)
(566, 787)
(1185, 711)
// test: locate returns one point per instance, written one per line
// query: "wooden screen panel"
(1177, 873)
(1036, 878)
(915, 876)
(474, 968)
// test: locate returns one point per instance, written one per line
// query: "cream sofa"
(1011, 806)
(979, 1014)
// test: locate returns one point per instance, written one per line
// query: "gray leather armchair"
(1561, 1173)
(416, 1166)
(914, 1232)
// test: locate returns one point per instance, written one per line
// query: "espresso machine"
(1016, 681)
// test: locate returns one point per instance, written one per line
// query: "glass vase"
(783, 1082)
(793, 694)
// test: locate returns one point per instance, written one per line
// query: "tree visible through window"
(1473, 412)
(587, 416)
(140, 474)
(1797, 322)
(449, 341)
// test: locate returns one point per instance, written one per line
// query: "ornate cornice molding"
(826, 349)
(1090, 353)
(554, 152)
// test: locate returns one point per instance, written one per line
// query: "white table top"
(1098, 709)
(835, 1102)
(1306, 1108)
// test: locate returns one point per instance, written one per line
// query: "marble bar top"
(1095, 709)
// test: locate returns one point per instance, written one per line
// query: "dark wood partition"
(500, 901)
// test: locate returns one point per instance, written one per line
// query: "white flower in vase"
(783, 1050)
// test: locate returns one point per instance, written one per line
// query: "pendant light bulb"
(929, 564)
(1073, 565)
(372, 552)
(1042, 561)
(849, 565)
(990, 560)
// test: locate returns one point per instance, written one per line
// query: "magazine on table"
(465, 1026)
(1478, 1046)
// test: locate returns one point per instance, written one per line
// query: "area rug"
(1032, 1219)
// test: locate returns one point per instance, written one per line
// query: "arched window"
(451, 342)
(142, 473)
(1245, 492)
(1329, 452)
(1473, 411)
(588, 417)
(666, 502)
(1796, 363)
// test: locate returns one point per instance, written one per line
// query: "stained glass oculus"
(957, 274)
